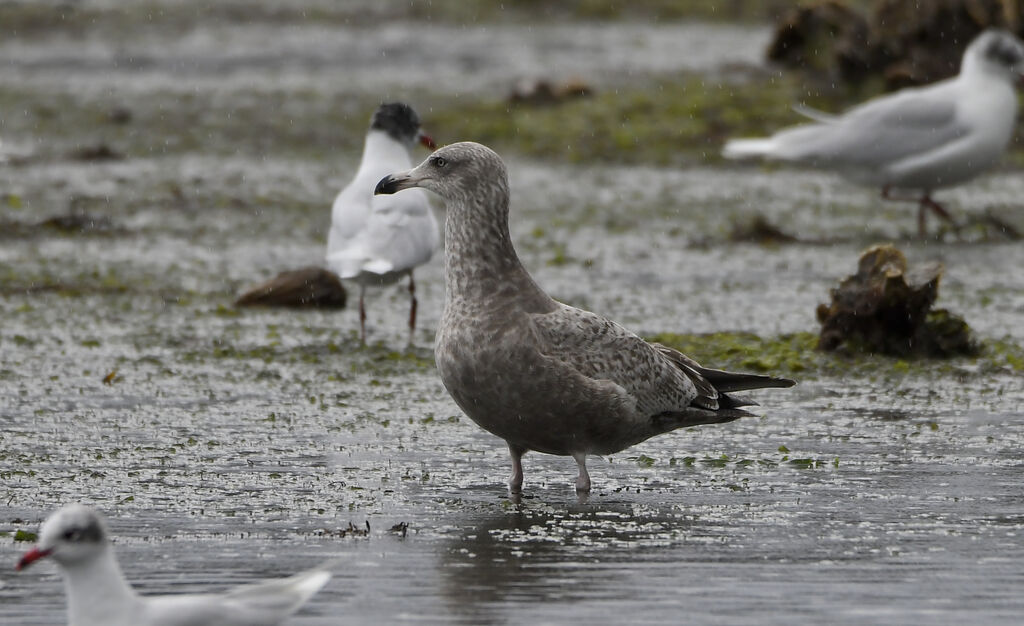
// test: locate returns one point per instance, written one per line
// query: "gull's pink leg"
(515, 482)
(924, 204)
(583, 480)
(937, 209)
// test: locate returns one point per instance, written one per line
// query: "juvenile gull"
(375, 240)
(540, 374)
(917, 139)
(98, 594)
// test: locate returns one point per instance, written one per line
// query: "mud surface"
(228, 445)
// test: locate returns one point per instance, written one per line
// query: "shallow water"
(233, 445)
(393, 55)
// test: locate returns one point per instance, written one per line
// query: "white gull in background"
(542, 375)
(98, 594)
(377, 240)
(918, 139)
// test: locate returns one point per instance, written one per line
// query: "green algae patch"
(791, 354)
(1004, 353)
(24, 535)
(669, 122)
(672, 120)
(795, 355)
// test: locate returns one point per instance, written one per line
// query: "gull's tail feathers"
(283, 596)
(725, 381)
(814, 114)
(749, 148)
(796, 143)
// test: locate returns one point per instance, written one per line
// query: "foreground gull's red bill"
(31, 557)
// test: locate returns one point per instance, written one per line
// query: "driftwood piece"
(309, 287)
(887, 308)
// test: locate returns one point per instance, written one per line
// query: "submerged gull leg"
(362, 315)
(412, 307)
(515, 482)
(583, 480)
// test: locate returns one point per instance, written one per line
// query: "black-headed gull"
(377, 240)
(76, 537)
(539, 374)
(918, 139)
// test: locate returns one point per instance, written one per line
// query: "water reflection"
(533, 555)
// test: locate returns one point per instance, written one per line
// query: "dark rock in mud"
(98, 152)
(309, 287)
(903, 42)
(887, 308)
(825, 36)
(542, 92)
(79, 223)
(760, 231)
(120, 115)
(911, 40)
(351, 531)
(73, 223)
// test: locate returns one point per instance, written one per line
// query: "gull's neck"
(382, 155)
(975, 68)
(480, 262)
(97, 591)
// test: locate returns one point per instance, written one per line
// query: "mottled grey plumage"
(540, 374)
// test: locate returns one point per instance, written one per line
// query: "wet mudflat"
(227, 445)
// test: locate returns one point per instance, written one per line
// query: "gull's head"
(401, 123)
(997, 52)
(455, 172)
(73, 534)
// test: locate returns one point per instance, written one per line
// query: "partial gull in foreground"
(917, 139)
(98, 594)
(374, 240)
(542, 375)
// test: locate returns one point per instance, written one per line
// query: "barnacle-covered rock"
(887, 308)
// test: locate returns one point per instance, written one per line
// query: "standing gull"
(918, 139)
(98, 594)
(540, 374)
(375, 240)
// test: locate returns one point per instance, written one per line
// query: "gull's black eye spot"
(73, 535)
(440, 162)
(1005, 52)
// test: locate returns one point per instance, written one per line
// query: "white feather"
(376, 239)
(919, 138)
(75, 537)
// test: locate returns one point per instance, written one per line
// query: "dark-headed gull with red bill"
(76, 538)
(918, 139)
(376, 240)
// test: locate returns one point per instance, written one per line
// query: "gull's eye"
(440, 162)
(73, 535)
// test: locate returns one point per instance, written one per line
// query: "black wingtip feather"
(731, 381)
